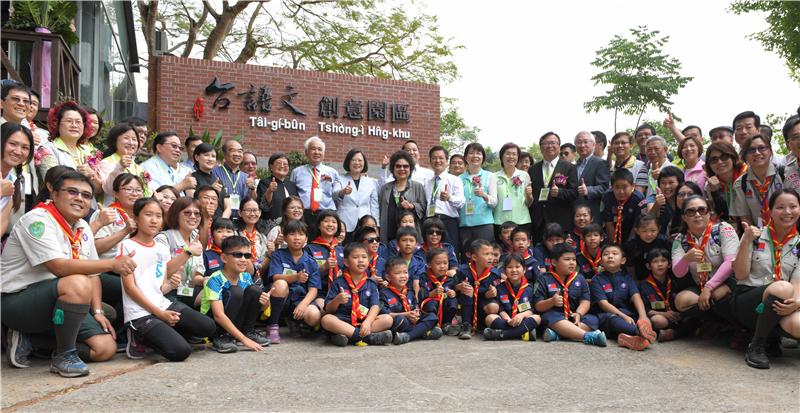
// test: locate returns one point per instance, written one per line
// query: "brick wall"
(175, 83)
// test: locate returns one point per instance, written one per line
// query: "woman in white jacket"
(355, 194)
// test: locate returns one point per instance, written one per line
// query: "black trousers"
(168, 340)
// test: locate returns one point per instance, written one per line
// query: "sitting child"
(658, 294)
(515, 298)
(553, 235)
(294, 276)
(477, 286)
(401, 303)
(521, 241)
(437, 291)
(352, 305)
(614, 293)
(563, 299)
(232, 299)
(221, 228)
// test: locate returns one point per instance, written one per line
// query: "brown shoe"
(632, 342)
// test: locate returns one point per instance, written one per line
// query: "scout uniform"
(320, 254)
(364, 295)
(658, 296)
(443, 307)
(719, 241)
(618, 289)
(480, 283)
(763, 272)
(622, 217)
(588, 261)
(403, 300)
(751, 197)
(636, 251)
(577, 290)
(282, 262)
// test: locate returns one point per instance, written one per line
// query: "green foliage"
(56, 15)
(640, 74)
(216, 141)
(782, 35)
(776, 122)
(454, 132)
(535, 151)
(296, 158)
(359, 37)
(492, 161)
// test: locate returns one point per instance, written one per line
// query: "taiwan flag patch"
(392, 301)
(213, 263)
(607, 288)
(318, 255)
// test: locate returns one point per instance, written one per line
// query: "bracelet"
(99, 311)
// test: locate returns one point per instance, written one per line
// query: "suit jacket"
(362, 201)
(415, 194)
(597, 177)
(271, 211)
(558, 209)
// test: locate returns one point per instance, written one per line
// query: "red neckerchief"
(477, 279)
(762, 192)
(436, 283)
(252, 237)
(664, 297)
(355, 316)
(593, 262)
(403, 298)
(120, 211)
(74, 238)
(334, 271)
(618, 225)
(777, 247)
(373, 265)
(517, 295)
(702, 247)
(214, 247)
(565, 289)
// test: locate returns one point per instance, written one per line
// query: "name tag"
(431, 209)
(470, 208)
(235, 202)
(523, 306)
(543, 194)
(289, 271)
(185, 291)
(363, 310)
(704, 267)
(507, 204)
(657, 305)
(317, 193)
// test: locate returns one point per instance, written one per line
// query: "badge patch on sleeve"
(36, 229)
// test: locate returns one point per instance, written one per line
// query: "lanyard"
(230, 178)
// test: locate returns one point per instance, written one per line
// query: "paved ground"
(449, 375)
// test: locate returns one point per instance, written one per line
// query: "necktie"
(547, 173)
(314, 188)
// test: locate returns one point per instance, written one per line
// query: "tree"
(783, 34)
(454, 132)
(776, 122)
(359, 37)
(640, 74)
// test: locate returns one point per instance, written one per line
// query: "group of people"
(103, 254)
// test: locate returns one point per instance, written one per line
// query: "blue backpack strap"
(685, 243)
(715, 234)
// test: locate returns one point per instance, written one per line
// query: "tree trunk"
(615, 120)
(149, 13)
(639, 119)
(250, 43)
(224, 23)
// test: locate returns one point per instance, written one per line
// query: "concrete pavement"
(449, 375)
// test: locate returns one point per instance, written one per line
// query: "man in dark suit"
(593, 173)
(273, 190)
(555, 188)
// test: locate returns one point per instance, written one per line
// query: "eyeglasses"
(401, 166)
(240, 255)
(73, 193)
(372, 240)
(690, 212)
(684, 194)
(174, 145)
(132, 191)
(758, 149)
(191, 213)
(551, 143)
(721, 158)
(16, 100)
(251, 211)
(434, 232)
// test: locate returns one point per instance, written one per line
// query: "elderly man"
(647, 178)
(237, 184)
(315, 181)
(593, 172)
(555, 188)
(164, 167)
(721, 134)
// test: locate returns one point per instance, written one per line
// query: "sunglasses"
(434, 232)
(73, 193)
(721, 158)
(240, 255)
(690, 212)
(372, 240)
(759, 149)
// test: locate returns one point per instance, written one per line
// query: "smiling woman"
(751, 191)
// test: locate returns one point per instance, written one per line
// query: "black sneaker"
(433, 334)
(255, 336)
(465, 333)
(339, 340)
(451, 330)
(401, 338)
(492, 334)
(773, 347)
(756, 355)
(224, 344)
(379, 338)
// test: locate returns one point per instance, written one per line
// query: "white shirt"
(151, 271)
(173, 239)
(454, 186)
(35, 239)
(160, 172)
(545, 177)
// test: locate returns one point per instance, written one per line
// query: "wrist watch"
(189, 253)
(99, 311)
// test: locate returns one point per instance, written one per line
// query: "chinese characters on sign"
(259, 99)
